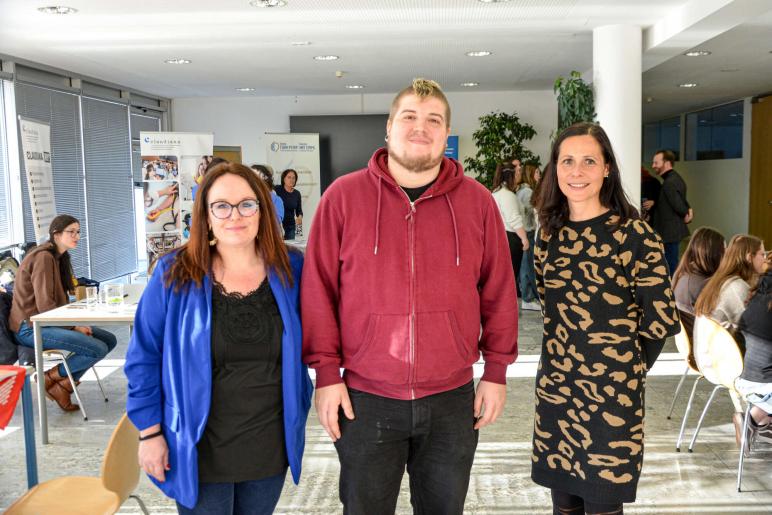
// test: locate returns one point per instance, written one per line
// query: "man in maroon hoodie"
(407, 259)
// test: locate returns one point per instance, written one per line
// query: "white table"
(78, 313)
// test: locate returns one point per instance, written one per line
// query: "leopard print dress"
(602, 286)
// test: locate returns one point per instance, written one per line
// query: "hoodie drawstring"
(378, 217)
(455, 229)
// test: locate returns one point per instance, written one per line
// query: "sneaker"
(737, 419)
(764, 434)
(531, 306)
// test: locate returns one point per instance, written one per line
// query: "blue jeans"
(258, 497)
(527, 277)
(434, 437)
(289, 232)
(86, 350)
(671, 256)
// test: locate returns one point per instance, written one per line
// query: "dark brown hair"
(703, 255)
(285, 173)
(58, 225)
(735, 263)
(528, 175)
(667, 155)
(194, 259)
(504, 176)
(552, 204)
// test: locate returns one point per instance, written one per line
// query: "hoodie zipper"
(411, 300)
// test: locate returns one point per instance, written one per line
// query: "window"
(715, 133)
(665, 134)
(5, 197)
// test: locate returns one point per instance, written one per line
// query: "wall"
(718, 190)
(245, 120)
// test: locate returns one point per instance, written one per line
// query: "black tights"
(567, 504)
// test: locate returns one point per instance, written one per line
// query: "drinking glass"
(114, 296)
(92, 296)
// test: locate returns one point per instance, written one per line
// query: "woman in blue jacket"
(216, 383)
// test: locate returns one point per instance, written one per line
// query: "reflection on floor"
(674, 483)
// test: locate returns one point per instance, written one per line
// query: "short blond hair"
(422, 88)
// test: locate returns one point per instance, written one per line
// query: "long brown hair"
(703, 255)
(194, 259)
(552, 204)
(504, 177)
(527, 175)
(735, 263)
(58, 225)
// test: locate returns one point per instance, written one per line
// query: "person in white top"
(526, 183)
(504, 186)
(726, 293)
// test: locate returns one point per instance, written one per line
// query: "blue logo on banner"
(452, 149)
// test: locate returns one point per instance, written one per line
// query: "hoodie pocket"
(441, 350)
(384, 355)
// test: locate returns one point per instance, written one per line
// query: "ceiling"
(383, 43)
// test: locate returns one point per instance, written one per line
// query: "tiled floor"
(674, 483)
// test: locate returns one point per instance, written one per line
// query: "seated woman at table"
(44, 282)
(217, 387)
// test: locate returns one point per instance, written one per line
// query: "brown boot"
(67, 385)
(56, 391)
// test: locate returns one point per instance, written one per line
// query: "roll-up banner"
(36, 147)
(299, 152)
(173, 165)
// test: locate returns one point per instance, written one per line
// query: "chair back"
(683, 340)
(716, 352)
(120, 466)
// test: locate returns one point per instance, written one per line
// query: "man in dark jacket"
(671, 211)
(406, 261)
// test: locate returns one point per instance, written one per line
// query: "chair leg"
(743, 443)
(140, 503)
(75, 389)
(99, 383)
(686, 414)
(677, 391)
(702, 417)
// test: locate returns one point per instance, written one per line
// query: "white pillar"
(616, 62)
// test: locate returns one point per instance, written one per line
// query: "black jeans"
(516, 251)
(433, 436)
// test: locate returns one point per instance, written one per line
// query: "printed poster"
(36, 149)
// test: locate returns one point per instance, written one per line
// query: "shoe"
(764, 434)
(531, 306)
(750, 437)
(56, 392)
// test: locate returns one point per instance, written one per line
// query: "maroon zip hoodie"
(396, 293)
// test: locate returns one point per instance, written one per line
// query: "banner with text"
(300, 152)
(36, 147)
(173, 165)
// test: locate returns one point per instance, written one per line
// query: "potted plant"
(499, 138)
(576, 102)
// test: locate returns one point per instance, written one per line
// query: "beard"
(415, 164)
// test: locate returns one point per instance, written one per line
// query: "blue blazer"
(169, 368)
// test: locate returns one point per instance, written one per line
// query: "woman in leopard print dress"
(605, 290)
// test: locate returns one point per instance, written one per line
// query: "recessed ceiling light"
(244, 90)
(688, 85)
(178, 60)
(493, 1)
(301, 43)
(479, 53)
(697, 53)
(326, 57)
(355, 86)
(57, 9)
(470, 84)
(267, 3)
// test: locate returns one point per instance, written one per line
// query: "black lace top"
(244, 435)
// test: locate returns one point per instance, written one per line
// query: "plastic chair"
(76, 495)
(62, 356)
(718, 359)
(684, 346)
(745, 445)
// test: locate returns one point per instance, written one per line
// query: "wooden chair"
(76, 495)
(684, 346)
(718, 358)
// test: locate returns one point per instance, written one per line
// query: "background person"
(43, 282)
(511, 210)
(605, 292)
(528, 180)
(216, 383)
(293, 210)
(267, 176)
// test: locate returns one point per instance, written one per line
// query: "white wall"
(243, 121)
(719, 190)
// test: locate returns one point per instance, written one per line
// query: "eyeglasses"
(223, 210)
(73, 232)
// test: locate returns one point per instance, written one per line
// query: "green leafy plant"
(576, 102)
(499, 138)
